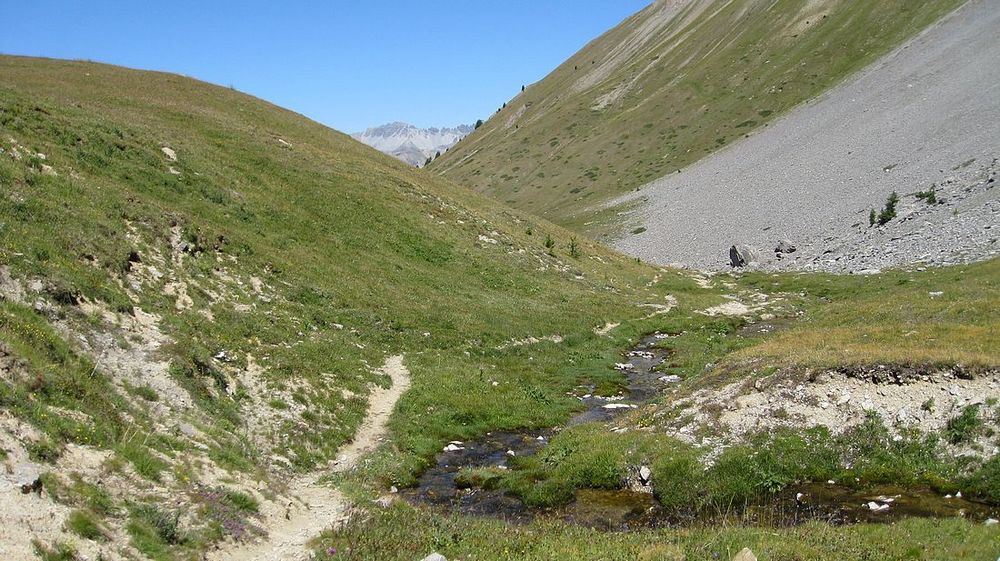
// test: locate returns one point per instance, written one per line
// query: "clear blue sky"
(346, 63)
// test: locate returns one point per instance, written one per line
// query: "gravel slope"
(927, 113)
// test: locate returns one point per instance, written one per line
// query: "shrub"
(163, 525)
(86, 525)
(44, 450)
(229, 512)
(929, 196)
(58, 552)
(985, 483)
(965, 426)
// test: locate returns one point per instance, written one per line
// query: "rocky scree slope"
(675, 82)
(198, 291)
(923, 122)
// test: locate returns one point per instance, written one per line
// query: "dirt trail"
(316, 507)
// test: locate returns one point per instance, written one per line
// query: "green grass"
(403, 533)
(86, 525)
(891, 318)
(700, 84)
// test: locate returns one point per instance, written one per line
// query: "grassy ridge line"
(702, 80)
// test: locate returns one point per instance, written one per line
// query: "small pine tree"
(479, 123)
(428, 161)
(574, 248)
(438, 155)
(522, 88)
(889, 212)
(872, 217)
(550, 243)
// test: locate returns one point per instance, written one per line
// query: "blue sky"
(348, 64)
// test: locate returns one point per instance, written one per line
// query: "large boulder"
(740, 255)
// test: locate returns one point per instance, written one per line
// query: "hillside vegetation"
(199, 287)
(200, 293)
(668, 86)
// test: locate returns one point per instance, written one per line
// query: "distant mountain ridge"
(412, 144)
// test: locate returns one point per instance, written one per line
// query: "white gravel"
(910, 120)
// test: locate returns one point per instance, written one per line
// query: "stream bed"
(624, 510)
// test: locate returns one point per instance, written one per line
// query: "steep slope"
(923, 122)
(670, 85)
(411, 144)
(198, 291)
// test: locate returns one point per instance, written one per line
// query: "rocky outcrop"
(740, 255)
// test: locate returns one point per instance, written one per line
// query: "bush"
(86, 525)
(164, 525)
(58, 552)
(964, 427)
(929, 196)
(44, 450)
(984, 484)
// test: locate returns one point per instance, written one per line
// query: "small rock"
(935, 294)
(645, 475)
(511, 453)
(169, 153)
(435, 557)
(188, 430)
(745, 555)
(991, 522)
(671, 379)
(785, 246)
(876, 507)
(28, 478)
(453, 448)
(384, 502)
(958, 495)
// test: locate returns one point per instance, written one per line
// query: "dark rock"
(740, 255)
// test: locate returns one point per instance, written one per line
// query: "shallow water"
(624, 510)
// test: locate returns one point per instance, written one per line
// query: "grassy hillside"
(668, 86)
(198, 290)
(225, 304)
